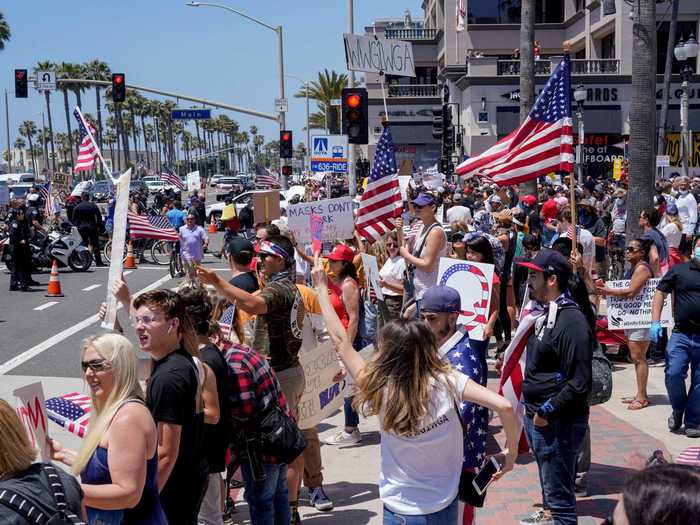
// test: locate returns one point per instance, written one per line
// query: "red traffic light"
(118, 79)
(353, 101)
(285, 136)
(20, 74)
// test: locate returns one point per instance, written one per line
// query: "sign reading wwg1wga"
(374, 55)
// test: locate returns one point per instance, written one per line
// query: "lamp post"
(686, 54)
(308, 128)
(579, 97)
(280, 55)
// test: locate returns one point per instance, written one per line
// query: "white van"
(16, 178)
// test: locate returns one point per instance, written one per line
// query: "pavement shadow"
(595, 507)
(659, 399)
(607, 479)
(372, 437)
(346, 494)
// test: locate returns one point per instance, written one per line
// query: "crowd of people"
(168, 453)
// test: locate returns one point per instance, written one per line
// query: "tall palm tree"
(327, 87)
(133, 104)
(43, 66)
(66, 70)
(78, 71)
(63, 148)
(28, 129)
(20, 145)
(527, 71)
(642, 121)
(661, 147)
(5, 32)
(98, 70)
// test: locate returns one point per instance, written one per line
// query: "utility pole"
(352, 180)
(7, 128)
(44, 144)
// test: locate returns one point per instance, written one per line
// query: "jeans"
(446, 516)
(555, 447)
(267, 499)
(352, 419)
(684, 350)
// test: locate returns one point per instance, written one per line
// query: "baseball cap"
(341, 253)
(239, 245)
(549, 261)
(529, 200)
(441, 299)
(424, 199)
(672, 209)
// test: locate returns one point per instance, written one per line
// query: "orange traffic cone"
(129, 262)
(212, 224)
(54, 288)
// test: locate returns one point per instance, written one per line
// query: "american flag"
(381, 202)
(45, 192)
(543, 143)
(690, 456)
(226, 321)
(169, 177)
(266, 180)
(87, 154)
(71, 411)
(151, 227)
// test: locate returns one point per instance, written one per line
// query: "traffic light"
(118, 87)
(287, 171)
(444, 165)
(355, 119)
(437, 122)
(286, 147)
(20, 83)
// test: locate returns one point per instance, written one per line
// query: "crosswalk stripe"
(91, 287)
(46, 305)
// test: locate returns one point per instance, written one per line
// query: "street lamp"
(579, 97)
(686, 54)
(280, 55)
(308, 128)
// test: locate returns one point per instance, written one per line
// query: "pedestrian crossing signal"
(118, 87)
(355, 115)
(20, 83)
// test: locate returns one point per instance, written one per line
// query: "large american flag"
(151, 227)
(381, 202)
(266, 180)
(169, 177)
(87, 154)
(45, 192)
(71, 411)
(543, 143)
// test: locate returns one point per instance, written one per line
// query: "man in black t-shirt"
(175, 401)
(240, 252)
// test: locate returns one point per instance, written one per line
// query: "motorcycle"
(63, 245)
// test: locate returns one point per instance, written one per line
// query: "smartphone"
(483, 479)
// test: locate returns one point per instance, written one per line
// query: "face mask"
(684, 192)
(697, 254)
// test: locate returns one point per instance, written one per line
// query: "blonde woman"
(673, 231)
(118, 462)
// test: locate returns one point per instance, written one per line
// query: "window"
(607, 46)
(508, 11)
(684, 30)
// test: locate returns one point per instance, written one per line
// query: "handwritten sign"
(473, 281)
(336, 215)
(635, 312)
(30, 409)
(369, 262)
(322, 396)
(193, 181)
(316, 226)
(374, 55)
(266, 206)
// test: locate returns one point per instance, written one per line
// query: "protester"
(240, 253)
(193, 240)
(658, 255)
(25, 484)
(176, 215)
(688, 214)
(672, 230)
(391, 276)
(117, 461)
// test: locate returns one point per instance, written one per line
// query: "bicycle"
(176, 267)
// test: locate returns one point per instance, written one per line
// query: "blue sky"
(203, 52)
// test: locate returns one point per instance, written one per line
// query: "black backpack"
(29, 510)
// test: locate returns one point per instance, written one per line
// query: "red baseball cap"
(530, 200)
(341, 253)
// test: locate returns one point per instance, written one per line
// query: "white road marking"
(65, 334)
(46, 305)
(128, 272)
(91, 287)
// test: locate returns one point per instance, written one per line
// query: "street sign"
(663, 161)
(329, 153)
(281, 105)
(190, 114)
(336, 102)
(45, 80)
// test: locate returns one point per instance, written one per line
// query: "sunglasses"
(146, 320)
(631, 249)
(263, 256)
(96, 365)
(391, 245)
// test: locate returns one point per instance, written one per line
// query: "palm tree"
(5, 32)
(327, 87)
(20, 145)
(661, 148)
(642, 121)
(43, 66)
(78, 71)
(98, 70)
(527, 71)
(65, 70)
(28, 129)
(63, 147)
(133, 104)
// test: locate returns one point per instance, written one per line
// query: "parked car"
(101, 191)
(224, 186)
(137, 185)
(240, 202)
(19, 191)
(214, 179)
(155, 185)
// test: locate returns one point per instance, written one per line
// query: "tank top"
(336, 293)
(423, 280)
(148, 511)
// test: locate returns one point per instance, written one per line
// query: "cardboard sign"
(194, 183)
(404, 182)
(29, 405)
(322, 396)
(375, 55)
(473, 281)
(626, 314)
(266, 206)
(336, 214)
(369, 262)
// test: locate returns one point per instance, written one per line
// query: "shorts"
(293, 383)
(637, 334)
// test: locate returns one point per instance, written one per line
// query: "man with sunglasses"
(193, 240)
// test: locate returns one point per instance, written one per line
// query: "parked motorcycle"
(63, 245)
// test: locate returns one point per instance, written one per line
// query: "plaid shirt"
(253, 387)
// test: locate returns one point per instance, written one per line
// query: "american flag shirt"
(475, 418)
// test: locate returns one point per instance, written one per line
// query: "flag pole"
(97, 148)
(566, 46)
(381, 78)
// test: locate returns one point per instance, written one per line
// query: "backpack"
(601, 374)
(29, 510)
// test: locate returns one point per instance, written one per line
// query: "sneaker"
(541, 517)
(319, 499)
(343, 438)
(675, 420)
(692, 431)
(296, 518)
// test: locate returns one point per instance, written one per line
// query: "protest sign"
(118, 241)
(266, 206)
(404, 182)
(29, 405)
(336, 214)
(322, 396)
(194, 183)
(61, 186)
(374, 55)
(369, 262)
(316, 227)
(635, 312)
(473, 281)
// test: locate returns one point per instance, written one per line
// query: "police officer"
(21, 254)
(33, 214)
(88, 219)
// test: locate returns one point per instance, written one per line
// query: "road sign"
(45, 80)
(281, 105)
(190, 114)
(336, 102)
(329, 153)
